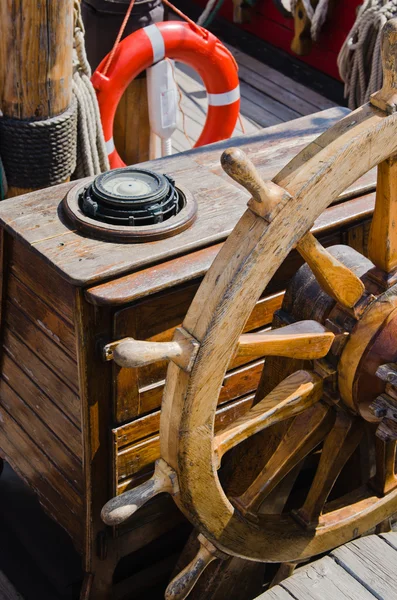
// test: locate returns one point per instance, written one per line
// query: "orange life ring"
(195, 47)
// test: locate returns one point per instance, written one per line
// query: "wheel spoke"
(267, 199)
(292, 396)
(305, 432)
(307, 340)
(382, 242)
(338, 447)
(385, 479)
(337, 280)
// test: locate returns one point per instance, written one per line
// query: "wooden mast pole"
(36, 44)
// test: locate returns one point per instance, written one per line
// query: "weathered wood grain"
(382, 244)
(43, 346)
(390, 538)
(41, 375)
(132, 454)
(372, 562)
(43, 282)
(276, 593)
(139, 390)
(241, 380)
(45, 317)
(56, 420)
(42, 436)
(82, 260)
(324, 580)
(131, 123)
(290, 398)
(40, 48)
(59, 498)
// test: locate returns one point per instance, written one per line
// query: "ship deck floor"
(364, 569)
(267, 97)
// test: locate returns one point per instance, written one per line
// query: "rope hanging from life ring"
(193, 46)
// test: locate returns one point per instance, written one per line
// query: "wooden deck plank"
(373, 563)
(267, 98)
(391, 539)
(325, 580)
(7, 590)
(276, 593)
(282, 81)
(363, 569)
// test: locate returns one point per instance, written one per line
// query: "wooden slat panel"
(42, 405)
(54, 326)
(59, 498)
(372, 562)
(136, 430)
(42, 346)
(41, 436)
(59, 393)
(135, 456)
(324, 580)
(133, 459)
(155, 319)
(238, 382)
(43, 281)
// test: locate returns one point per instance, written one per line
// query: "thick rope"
(359, 60)
(206, 12)
(317, 16)
(39, 154)
(92, 157)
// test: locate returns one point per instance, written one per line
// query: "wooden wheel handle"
(130, 353)
(123, 507)
(267, 200)
(183, 583)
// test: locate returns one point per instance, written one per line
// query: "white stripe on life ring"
(225, 98)
(157, 41)
(110, 146)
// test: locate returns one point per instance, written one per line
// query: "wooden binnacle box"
(78, 429)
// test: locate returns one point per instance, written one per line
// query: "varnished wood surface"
(196, 264)
(84, 261)
(361, 570)
(40, 406)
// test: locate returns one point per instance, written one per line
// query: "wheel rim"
(213, 320)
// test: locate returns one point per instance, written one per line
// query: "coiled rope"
(359, 60)
(92, 157)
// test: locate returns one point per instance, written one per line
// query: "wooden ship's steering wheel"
(339, 320)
